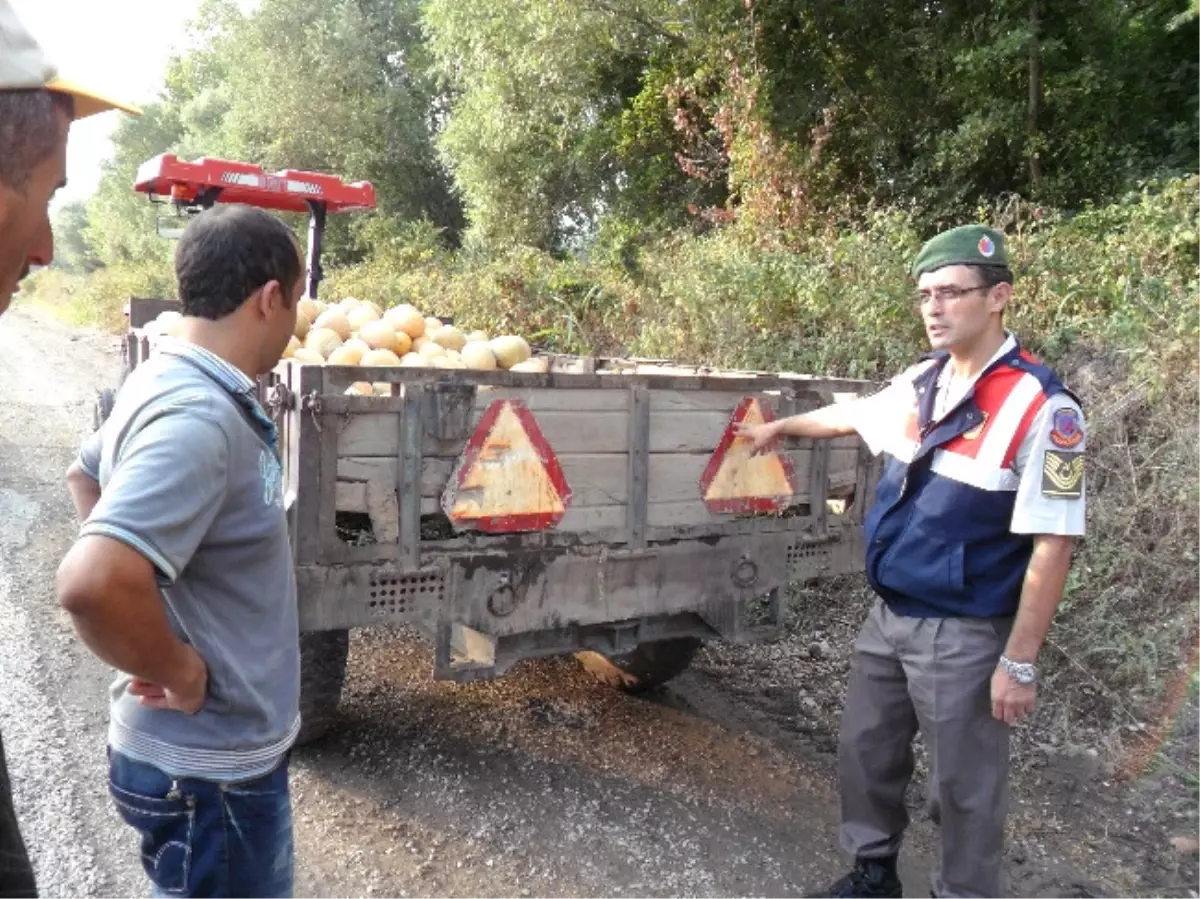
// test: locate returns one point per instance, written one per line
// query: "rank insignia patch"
(977, 430)
(1067, 431)
(1062, 474)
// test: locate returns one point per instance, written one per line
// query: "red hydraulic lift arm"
(203, 182)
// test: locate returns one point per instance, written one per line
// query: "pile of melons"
(359, 332)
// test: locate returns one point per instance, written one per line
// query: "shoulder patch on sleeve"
(1062, 474)
(1066, 429)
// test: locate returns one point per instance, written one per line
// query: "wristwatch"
(1021, 672)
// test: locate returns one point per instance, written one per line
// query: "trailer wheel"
(648, 666)
(104, 405)
(323, 657)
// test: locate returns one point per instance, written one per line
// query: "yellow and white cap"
(23, 66)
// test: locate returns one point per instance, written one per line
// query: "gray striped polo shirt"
(190, 477)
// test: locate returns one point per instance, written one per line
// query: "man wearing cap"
(968, 545)
(36, 111)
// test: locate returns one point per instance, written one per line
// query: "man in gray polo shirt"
(182, 577)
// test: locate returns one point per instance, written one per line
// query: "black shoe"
(870, 877)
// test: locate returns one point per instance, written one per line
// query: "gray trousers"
(935, 674)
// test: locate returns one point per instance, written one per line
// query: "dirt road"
(543, 783)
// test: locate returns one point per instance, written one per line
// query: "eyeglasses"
(946, 295)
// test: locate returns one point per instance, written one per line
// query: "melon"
(381, 335)
(537, 366)
(175, 327)
(293, 345)
(431, 350)
(383, 388)
(323, 341)
(432, 323)
(347, 303)
(380, 357)
(334, 320)
(479, 356)
(412, 360)
(308, 356)
(361, 315)
(450, 360)
(359, 344)
(510, 350)
(449, 337)
(477, 337)
(407, 319)
(310, 309)
(345, 355)
(303, 325)
(360, 388)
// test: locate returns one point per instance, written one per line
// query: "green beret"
(964, 245)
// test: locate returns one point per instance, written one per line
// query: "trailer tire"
(647, 666)
(323, 657)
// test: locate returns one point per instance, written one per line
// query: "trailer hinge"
(311, 403)
(279, 398)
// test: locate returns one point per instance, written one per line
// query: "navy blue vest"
(939, 545)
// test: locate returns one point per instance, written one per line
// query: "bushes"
(99, 298)
(1107, 295)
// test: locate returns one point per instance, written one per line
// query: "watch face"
(1021, 672)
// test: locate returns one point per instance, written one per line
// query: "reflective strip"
(974, 472)
(1007, 421)
(902, 450)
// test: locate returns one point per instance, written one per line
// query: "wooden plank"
(142, 310)
(704, 380)
(408, 477)
(600, 479)
(327, 489)
(351, 496)
(687, 432)
(364, 468)
(707, 400)
(609, 520)
(638, 468)
(818, 485)
(595, 479)
(538, 401)
(566, 432)
(384, 510)
(306, 380)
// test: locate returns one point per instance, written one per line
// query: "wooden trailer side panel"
(651, 445)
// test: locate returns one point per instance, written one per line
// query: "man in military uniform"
(968, 545)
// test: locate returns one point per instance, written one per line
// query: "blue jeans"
(204, 838)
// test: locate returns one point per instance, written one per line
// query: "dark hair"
(29, 131)
(994, 274)
(228, 252)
